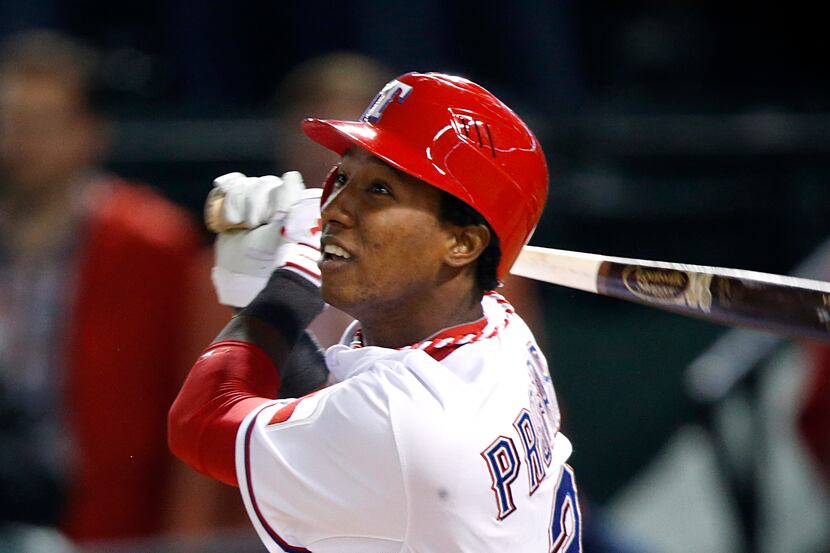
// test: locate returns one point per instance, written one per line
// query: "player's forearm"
(242, 369)
(277, 316)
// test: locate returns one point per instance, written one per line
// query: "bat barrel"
(775, 307)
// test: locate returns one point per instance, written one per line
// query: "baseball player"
(433, 426)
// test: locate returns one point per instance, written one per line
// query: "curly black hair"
(459, 213)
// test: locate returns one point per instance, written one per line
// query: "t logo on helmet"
(393, 89)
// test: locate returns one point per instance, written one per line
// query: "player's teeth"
(336, 250)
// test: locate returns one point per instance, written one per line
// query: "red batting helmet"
(455, 135)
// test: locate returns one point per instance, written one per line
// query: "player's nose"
(339, 207)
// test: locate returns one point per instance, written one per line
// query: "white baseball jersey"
(439, 448)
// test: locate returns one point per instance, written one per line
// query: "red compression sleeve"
(228, 381)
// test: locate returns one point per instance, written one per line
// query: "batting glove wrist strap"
(300, 259)
(300, 249)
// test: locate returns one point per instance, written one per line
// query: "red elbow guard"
(228, 381)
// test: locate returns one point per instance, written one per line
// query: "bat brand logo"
(394, 89)
(669, 287)
(655, 284)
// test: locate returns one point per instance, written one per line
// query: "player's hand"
(249, 202)
(301, 230)
(245, 258)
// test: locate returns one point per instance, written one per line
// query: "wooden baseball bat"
(791, 306)
(214, 220)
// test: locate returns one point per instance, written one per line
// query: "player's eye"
(339, 180)
(379, 187)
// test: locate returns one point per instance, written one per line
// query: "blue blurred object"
(600, 536)
(32, 539)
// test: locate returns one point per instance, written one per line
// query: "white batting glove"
(301, 230)
(245, 258)
(255, 201)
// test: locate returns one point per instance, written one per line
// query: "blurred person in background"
(339, 85)
(89, 265)
(814, 411)
(814, 415)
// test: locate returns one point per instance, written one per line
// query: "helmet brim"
(339, 136)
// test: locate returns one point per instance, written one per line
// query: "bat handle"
(214, 219)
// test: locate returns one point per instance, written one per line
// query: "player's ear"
(465, 244)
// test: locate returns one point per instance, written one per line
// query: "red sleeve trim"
(285, 412)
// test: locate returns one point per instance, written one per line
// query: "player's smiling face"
(383, 241)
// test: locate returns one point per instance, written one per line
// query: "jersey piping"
(441, 344)
(284, 545)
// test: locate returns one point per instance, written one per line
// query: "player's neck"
(405, 327)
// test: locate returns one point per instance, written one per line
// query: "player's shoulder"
(355, 411)
(408, 373)
(367, 380)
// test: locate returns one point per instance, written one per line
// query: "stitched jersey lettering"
(503, 461)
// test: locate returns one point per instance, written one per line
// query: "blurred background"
(687, 131)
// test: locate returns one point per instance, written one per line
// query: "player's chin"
(326, 291)
(333, 293)
(342, 293)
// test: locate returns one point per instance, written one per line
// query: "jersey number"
(565, 524)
